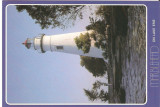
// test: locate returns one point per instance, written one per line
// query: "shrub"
(96, 66)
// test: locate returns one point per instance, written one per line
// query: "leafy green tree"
(105, 54)
(99, 33)
(53, 15)
(96, 66)
(97, 25)
(98, 84)
(104, 11)
(83, 42)
(97, 44)
(103, 46)
(91, 94)
(93, 35)
(94, 94)
(103, 96)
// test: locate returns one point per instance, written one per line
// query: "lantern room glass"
(30, 43)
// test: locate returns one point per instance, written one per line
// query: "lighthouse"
(61, 43)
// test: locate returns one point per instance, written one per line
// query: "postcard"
(81, 53)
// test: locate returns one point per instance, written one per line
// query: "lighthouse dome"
(35, 43)
(29, 43)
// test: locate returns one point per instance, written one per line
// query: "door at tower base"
(66, 43)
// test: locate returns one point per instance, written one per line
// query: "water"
(128, 60)
(134, 57)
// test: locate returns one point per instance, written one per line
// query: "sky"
(49, 77)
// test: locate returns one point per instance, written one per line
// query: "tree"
(98, 84)
(53, 15)
(105, 54)
(94, 94)
(99, 33)
(91, 94)
(96, 66)
(103, 96)
(97, 44)
(97, 25)
(104, 11)
(83, 42)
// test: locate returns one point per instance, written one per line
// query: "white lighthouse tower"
(61, 43)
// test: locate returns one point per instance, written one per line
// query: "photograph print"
(75, 54)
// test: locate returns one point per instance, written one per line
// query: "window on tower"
(59, 47)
